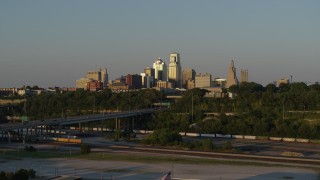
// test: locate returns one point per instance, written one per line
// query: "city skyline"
(53, 43)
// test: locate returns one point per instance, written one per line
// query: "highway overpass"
(75, 120)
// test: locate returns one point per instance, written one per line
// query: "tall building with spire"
(160, 70)
(232, 75)
(174, 74)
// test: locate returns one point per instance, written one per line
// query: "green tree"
(32, 173)
(85, 149)
(21, 174)
(3, 176)
(163, 137)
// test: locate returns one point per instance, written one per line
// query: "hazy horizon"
(54, 43)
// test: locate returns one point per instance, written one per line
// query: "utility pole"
(192, 107)
(283, 109)
(94, 104)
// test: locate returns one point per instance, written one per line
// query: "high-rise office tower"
(187, 74)
(149, 77)
(99, 75)
(174, 74)
(147, 81)
(95, 75)
(160, 70)
(104, 76)
(134, 81)
(143, 75)
(149, 71)
(243, 75)
(232, 75)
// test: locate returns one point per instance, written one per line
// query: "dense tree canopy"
(85, 102)
(289, 110)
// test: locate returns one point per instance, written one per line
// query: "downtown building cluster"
(166, 77)
(162, 76)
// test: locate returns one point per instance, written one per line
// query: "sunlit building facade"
(160, 70)
(174, 75)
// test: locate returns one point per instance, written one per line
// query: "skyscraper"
(160, 70)
(243, 75)
(232, 75)
(95, 75)
(134, 81)
(99, 75)
(149, 71)
(104, 77)
(174, 74)
(187, 74)
(148, 77)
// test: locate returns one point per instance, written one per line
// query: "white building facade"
(160, 70)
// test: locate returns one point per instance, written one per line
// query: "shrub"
(227, 146)
(163, 137)
(9, 175)
(117, 135)
(3, 175)
(21, 174)
(207, 145)
(85, 149)
(32, 173)
(30, 148)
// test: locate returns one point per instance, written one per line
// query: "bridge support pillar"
(118, 123)
(132, 124)
(9, 137)
(20, 133)
(80, 127)
(41, 131)
(60, 130)
(47, 130)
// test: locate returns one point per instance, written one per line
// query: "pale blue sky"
(53, 43)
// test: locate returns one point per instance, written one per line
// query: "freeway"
(222, 155)
(102, 145)
(75, 120)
